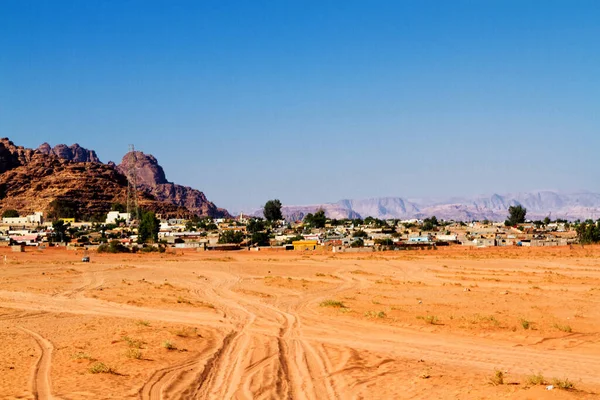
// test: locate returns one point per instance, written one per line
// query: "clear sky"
(314, 101)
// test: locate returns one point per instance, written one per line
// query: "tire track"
(40, 381)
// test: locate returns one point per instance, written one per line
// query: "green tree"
(358, 243)
(59, 229)
(272, 210)
(255, 225)
(316, 220)
(10, 214)
(260, 239)
(190, 226)
(62, 208)
(588, 232)
(231, 237)
(430, 223)
(547, 221)
(148, 228)
(516, 215)
(360, 233)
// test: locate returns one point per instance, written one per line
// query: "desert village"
(356, 236)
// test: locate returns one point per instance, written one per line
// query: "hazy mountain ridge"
(540, 204)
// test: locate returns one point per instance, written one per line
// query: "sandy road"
(40, 381)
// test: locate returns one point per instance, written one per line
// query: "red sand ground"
(413, 324)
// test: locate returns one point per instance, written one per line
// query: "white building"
(113, 216)
(35, 218)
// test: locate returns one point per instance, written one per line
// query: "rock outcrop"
(151, 178)
(72, 153)
(33, 180)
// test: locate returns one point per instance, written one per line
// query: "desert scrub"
(536, 379)
(183, 300)
(332, 303)
(167, 344)
(497, 378)
(143, 323)
(564, 384)
(133, 353)
(101, 368)
(430, 319)
(563, 328)
(133, 343)
(525, 324)
(375, 314)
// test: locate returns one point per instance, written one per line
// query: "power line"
(132, 196)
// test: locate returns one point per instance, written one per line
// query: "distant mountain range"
(571, 206)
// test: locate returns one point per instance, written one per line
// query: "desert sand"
(301, 325)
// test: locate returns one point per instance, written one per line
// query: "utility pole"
(132, 195)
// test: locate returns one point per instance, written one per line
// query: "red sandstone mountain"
(152, 179)
(30, 180)
(72, 153)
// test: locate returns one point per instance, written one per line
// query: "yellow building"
(68, 220)
(305, 244)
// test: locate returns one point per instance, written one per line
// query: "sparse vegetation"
(497, 378)
(563, 328)
(133, 353)
(332, 303)
(430, 319)
(167, 344)
(525, 324)
(133, 343)
(143, 323)
(101, 368)
(564, 384)
(375, 314)
(113, 247)
(536, 379)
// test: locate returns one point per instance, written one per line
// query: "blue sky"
(314, 101)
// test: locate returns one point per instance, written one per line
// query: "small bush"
(430, 319)
(133, 343)
(143, 323)
(113, 247)
(564, 384)
(536, 379)
(525, 324)
(167, 344)
(374, 314)
(498, 378)
(332, 303)
(133, 353)
(101, 368)
(563, 328)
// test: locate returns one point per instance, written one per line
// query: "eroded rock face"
(74, 152)
(151, 178)
(12, 156)
(31, 180)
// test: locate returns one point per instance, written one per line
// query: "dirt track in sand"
(420, 324)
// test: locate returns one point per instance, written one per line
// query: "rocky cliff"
(152, 179)
(72, 153)
(31, 180)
